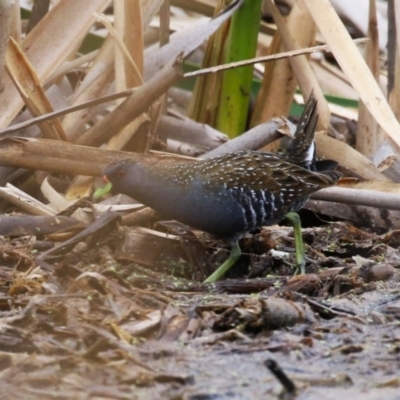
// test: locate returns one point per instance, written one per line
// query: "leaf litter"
(94, 327)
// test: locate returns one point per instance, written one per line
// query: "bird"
(232, 194)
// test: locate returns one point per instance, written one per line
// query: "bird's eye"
(121, 173)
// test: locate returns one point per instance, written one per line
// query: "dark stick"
(285, 381)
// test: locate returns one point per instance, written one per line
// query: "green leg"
(233, 257)
(298, 241)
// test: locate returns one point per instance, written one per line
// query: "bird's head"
(123, 175)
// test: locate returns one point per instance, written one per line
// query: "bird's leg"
(294, 219)
(233, 257)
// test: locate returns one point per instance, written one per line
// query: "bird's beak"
(105, 179)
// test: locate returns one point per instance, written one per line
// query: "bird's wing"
(264, 171)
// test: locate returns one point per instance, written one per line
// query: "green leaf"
(100, 192)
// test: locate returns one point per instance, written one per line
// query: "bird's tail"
(302, 149)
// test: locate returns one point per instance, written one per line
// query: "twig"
(68, 110)
(273, 57)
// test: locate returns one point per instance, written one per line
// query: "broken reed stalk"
(359, 197)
